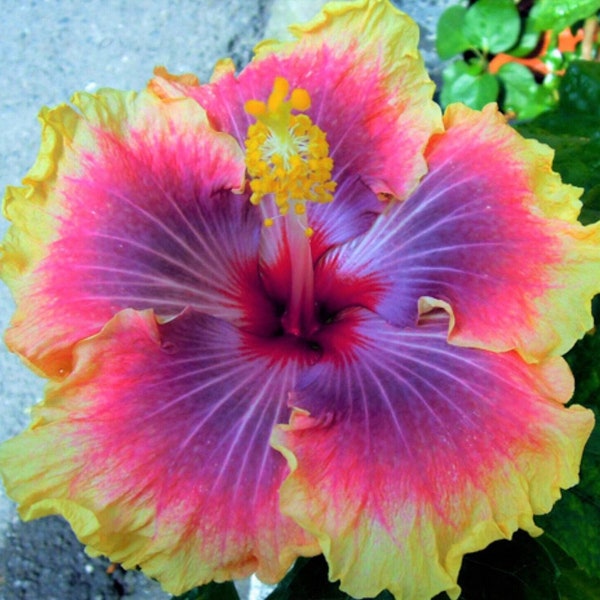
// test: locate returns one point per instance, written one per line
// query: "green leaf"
(523, 95)
(580, 88)
(450, 39)
(556, 15)
(573, 583)
(576, 141)
(493, 25)
(520, 570)
(591, 206)
(211, 591)
(468, 83)
(528, 40)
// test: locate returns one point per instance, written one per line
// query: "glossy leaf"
(528, 40)
(450, 39)
(551, 14)
(493, 25)
(573, 582)
(468, 83)
(577, 156)
(523, 96)
(580, 88)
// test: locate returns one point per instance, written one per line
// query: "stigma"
(287, 155)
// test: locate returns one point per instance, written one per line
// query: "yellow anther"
(256, 108)
(268, 222)
(287, 155)
(300, 99)
(295, 161)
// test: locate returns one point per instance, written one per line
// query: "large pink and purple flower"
(297, 311)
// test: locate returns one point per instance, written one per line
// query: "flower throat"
(287, 159)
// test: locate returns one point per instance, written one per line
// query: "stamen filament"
(300, 319)
(287, 157)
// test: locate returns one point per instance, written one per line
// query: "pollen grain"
(287, 155)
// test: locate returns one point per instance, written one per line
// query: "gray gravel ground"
(48, 50)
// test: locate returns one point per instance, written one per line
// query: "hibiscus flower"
(297, 311)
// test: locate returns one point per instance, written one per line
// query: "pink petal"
(407, 452)
(160, 450)
(370, 93)
(491, 232)
(137, 212)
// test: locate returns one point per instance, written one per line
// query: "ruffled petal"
(370, 94)
(407, 452)
(128, 205)
(492, 233)
(160, 450)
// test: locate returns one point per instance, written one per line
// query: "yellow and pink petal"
(491, 232)
(160, 450)
(407, 452)
(130, 204)
(369, 93)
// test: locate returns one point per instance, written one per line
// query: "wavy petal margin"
(407, 453)
(370, 94)
(160, 451)
(128, 205)
(492, 233)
